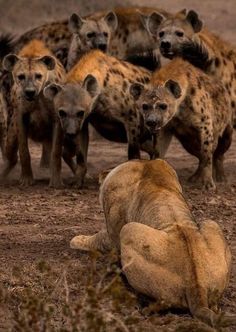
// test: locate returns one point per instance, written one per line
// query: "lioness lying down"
(164, 252)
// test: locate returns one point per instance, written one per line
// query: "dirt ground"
(37, 223)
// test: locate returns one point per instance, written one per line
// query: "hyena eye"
(161, 34)
(21, 77)
(62, 114)
(80, 114)
(179, 33)
(91, 34)
(105, 34)
(162, 106)
(38, 76)
(145, 107)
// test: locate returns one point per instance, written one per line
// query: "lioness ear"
(75, 23)
(111, 20)
(103, 175)
(193, 19)
(174, 88)
(49, 62)
(91, 85)
(9, 61)
(153, 22)
(51, 90)
(136, 90)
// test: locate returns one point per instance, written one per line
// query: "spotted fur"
(185, 102)
(32, 117)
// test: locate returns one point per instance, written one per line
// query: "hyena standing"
(183, 101)
(112, 113)
(33, 116)
(183, 36)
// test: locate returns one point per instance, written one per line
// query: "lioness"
(164, 252)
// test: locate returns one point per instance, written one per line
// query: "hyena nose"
(70, 136)
(151, 123)
(30, 93)
(102, 47)
(165, 45)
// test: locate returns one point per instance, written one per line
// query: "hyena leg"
(163, 140)
(81, 156)
(3, 139)
(204, 173)
(133, 136)
(11, 149)
(55, 180)
(224, 143)
(26, 170)
(68, 154)
(100, 242)
(46, 155)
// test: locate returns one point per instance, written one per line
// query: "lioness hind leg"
(147, 262)
(99, 241)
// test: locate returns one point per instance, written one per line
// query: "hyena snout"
(166, 45)
(101, 44)
(102, 47)
(71, 130)
(30, 93)
(153, 123)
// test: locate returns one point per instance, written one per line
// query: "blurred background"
(18, 16)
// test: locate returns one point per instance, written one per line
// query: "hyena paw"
(56, 183)
(26, 180)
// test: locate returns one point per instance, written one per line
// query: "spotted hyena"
(73, 103)
(113, 113)
(120, 33)
(33, 116)
(183, 36)
(185, 102)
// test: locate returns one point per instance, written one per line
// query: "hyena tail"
(97, 242)
(197, 54)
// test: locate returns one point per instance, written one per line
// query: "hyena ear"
(49, 62)
(182, 12)
(153, 22)
(91, 85)
(75, 23)
(51, 90)
(174, 88)
(193, 19)
(111, 20)
(9, 61)
(136, 90)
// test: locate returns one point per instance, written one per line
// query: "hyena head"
(172, 33)
(73, 102)
(30, 75)
(93, 33)
(158, 105)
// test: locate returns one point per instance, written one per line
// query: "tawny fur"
(164, 252)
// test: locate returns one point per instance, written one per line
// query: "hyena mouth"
(168, 54)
